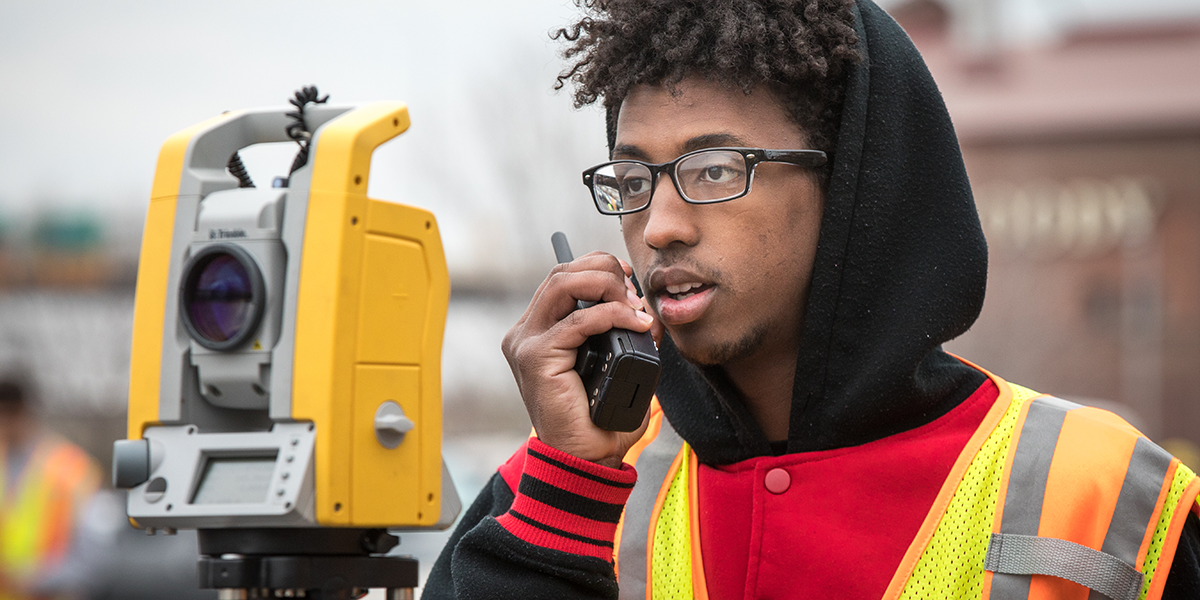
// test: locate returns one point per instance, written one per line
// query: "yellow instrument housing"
(370, 313)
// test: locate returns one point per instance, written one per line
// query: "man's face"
(728, 280)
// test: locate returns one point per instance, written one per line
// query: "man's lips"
(679, 295)
(678, 309)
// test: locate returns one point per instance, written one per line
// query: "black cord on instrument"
(298, 130)
(237, 169)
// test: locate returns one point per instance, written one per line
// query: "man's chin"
(712, 353)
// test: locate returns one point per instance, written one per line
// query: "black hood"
(901, 267)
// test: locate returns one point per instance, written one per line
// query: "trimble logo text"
(225, 234)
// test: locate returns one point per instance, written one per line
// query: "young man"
(813, 439)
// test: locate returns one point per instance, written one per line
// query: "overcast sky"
(89, 91)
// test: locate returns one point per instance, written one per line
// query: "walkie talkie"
(619, 367)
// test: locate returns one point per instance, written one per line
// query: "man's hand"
(540, 350)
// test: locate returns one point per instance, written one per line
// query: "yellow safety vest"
(1048, 500)
(37, 516)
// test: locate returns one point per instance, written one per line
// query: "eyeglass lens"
(702, 177)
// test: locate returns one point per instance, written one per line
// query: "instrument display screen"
(235, 480)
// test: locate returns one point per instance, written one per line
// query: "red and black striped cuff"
(567, 503)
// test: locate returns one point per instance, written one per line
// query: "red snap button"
(777, 481)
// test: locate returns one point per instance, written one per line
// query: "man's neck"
(765, 381)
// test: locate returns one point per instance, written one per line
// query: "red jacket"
(827, 534)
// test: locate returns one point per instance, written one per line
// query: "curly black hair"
(800, 49)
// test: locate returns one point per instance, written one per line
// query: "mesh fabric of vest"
(1183, 477)
(952, 564)
(671, 556)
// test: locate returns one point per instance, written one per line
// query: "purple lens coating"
(221, 301)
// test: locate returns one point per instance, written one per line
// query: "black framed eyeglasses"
(706, 176)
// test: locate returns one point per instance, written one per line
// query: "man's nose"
(670, 219)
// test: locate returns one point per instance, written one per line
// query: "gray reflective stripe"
(1135, 505)
(1026, 555)
(1031, 465)
(652, 467)
(1027, 483)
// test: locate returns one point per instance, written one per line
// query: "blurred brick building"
(1084, 155)
(66, 314)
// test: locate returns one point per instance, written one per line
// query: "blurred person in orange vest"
(45, 482)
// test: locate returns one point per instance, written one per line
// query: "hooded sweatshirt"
(900, 269)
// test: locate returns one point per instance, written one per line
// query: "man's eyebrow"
(708, 140)
(629, 151)
(713, 140)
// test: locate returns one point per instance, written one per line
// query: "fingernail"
(634, 301)
(645, 317)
